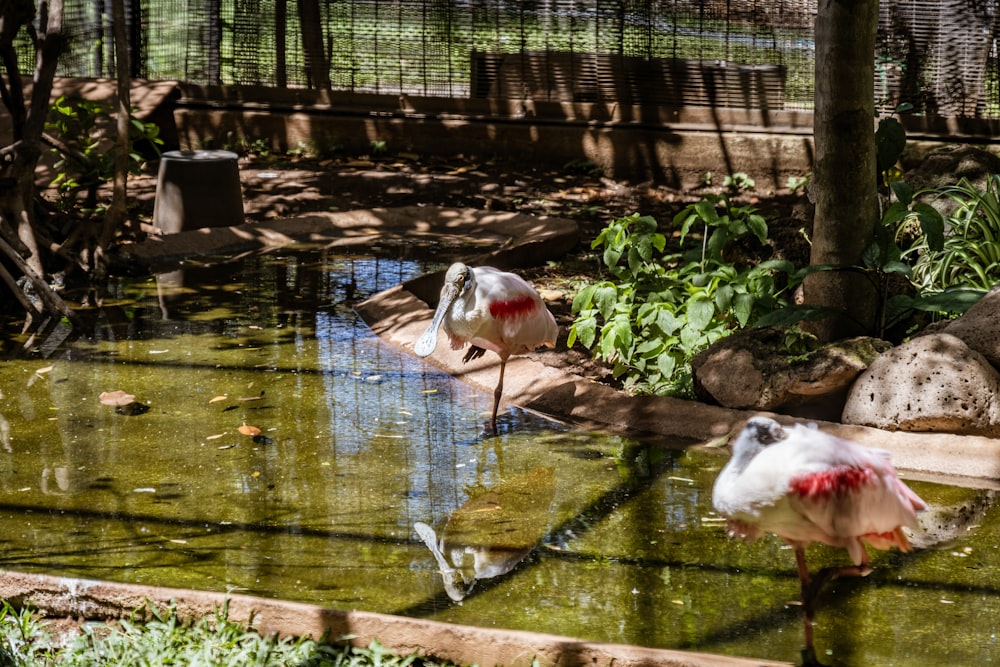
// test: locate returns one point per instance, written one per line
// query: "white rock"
(932, 383)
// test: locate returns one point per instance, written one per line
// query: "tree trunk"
(311, 21)
(844, 181)
(18, 240)
(117, 214)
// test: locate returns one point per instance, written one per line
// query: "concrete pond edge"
(398, 316)
(464, 645)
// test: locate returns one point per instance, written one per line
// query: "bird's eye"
(768, 434)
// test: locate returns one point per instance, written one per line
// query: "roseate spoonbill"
(491, 310)
(807, 486)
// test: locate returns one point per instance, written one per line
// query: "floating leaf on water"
(247, 429)
(116, 398)
(218, 398)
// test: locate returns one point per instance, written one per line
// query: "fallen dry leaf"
(247, 429)
(116, 398)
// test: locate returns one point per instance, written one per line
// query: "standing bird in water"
(490, 310)
(807, 486)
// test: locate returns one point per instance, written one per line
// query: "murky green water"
(359, 442)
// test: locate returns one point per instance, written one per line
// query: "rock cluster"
(943, 380)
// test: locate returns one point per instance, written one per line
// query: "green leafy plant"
(78, 133)
(155, 636)
(660, 309)
(797, 183)
(968, 255)
(739, 182)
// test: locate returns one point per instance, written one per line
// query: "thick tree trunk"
(844, 181)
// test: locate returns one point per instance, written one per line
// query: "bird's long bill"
(454, 582)
(428, 340)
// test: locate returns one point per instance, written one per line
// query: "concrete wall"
(668, 146)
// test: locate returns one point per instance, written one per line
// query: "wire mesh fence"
(939, 55)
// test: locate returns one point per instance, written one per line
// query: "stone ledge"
(461, 644)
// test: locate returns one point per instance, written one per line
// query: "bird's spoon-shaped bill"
(428, 340)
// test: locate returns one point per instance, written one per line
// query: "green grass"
(155, 637)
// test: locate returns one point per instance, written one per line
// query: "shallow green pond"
(609, 538)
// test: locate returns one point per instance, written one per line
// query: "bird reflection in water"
(492, 532)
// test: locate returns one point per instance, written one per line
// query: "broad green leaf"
(666, 364)
(896, 212)
(872, 256)
(758, 226)
(584, 299)
(667, 322)
(611, 257)
(645, 224)
(691, 338)
(706, 211)
(606, 298)
(649, 346)
(743, 308)
(895, 266)
(723, 298)
(957, 300)
(717, 242)
(659, 242)
(931, 224)
(903, 192)
(699, 312)
(890, 140)
(585, 330)
(782, 265)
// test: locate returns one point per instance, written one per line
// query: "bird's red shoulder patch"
(509, 308)
(834, 481)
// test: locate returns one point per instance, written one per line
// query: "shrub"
(659, 309)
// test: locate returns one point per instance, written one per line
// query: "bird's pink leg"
(496, 395)
(810, 590)
(808, 593)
